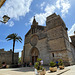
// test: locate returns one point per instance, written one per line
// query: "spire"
(34, 21)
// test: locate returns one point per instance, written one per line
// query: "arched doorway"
(34, 54)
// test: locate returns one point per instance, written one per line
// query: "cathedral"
(50, 42)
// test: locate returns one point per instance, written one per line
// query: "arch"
(34, 53)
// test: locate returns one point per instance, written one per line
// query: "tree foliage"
(15, 38)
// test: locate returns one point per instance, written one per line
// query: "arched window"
(33, 31)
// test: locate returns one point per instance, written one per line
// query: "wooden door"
(34, 59)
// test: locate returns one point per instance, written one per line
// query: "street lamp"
(5, 19)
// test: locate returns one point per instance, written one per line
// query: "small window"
(53, 54)
(32, 31)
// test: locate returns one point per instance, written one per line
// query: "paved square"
(30, 71)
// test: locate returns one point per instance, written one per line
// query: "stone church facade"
(49, 42)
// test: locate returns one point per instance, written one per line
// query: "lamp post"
(5, 19)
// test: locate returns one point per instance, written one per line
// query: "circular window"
(34, 40)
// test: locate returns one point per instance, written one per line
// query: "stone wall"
(73, 52)
(53, 21)
(6, 56)
(57, 44)
(55, 33)
(27, 52)
(58, 38)
(44, 53)
(60, 55)
(16, 58)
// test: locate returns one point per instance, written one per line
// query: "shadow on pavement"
(27, 69)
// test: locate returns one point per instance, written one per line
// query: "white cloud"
(58, 4)
(10, 23)
(42, 5)
(27, 24)
(71, 31)
(15, 8)
(49, 10)
(31, 20)
(41, 18)
(62, 5)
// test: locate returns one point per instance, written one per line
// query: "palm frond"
(9, 39)
(14, 36)
(19, 39)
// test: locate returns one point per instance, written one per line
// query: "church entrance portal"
(34, 59)
(34, 55)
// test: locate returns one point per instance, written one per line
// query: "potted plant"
(52, 67)
(61, 65)
(39, 68)
(39, 59)
(42, 71)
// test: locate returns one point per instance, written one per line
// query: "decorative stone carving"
(34, 40)
(34, 52)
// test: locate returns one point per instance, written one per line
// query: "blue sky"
(21, 13)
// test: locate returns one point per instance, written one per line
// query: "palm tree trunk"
(13, 52)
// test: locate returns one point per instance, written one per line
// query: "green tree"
(15, 38)
(19, 60)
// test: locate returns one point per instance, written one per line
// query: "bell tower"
(34, 26)
(58, 39)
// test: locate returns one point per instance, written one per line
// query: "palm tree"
(15, 38)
